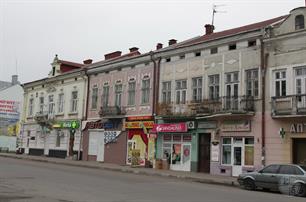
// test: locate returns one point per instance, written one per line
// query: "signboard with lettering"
(236, 126)
(67, 124)
(170, 127)
(214, 152)
(9, 109)
(139, 124)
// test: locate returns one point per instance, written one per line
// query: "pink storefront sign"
(170, 127)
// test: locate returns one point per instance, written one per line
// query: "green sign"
(67, 124)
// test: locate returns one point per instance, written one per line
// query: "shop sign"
(214, 152)
(236, 126)
(170, 127)
(111, 136)
(297, 127)
(67, 124)
(139, 118)
(139, 124)
(207, 124)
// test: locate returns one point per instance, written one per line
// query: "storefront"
(174, 145)
(139, 140)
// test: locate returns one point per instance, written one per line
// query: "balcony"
(222, 105)
(289, 106)
(112, 111)
(44, 118)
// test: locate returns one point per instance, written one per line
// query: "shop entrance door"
(237, 157)
(204, 153)
(299, 151)
(181, 157)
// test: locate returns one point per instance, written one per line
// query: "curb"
(133, 171)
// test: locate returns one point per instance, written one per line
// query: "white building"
(53, 111)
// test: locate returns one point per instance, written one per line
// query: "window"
(214, 50)
(182, 57)
(74, 101)
(299, 22)
(51, 104)
(300, 74)
(213, 84)
(226, 150)
(249, 151)
(118, 94)
(251, 43)
(31, 105)
(53, 71)
(166, 92)
(289, 170)
(60, 108)
(145, 91)
(197, 89)
(181, 90)
(131, 92)
(58, 138)
(168, 59)
(232, 47)
(105, 95)
(41, 104)
(280, 83)
(197, 54)
(251, 81)
(270, 169)
(94, 97)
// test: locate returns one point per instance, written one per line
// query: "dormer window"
(299, 22)
(53, 71)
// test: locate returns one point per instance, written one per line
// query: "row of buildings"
(222, 103)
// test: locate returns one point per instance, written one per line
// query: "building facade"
(53, 111)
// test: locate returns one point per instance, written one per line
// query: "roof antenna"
(214, 8)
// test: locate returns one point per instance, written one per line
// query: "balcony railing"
(112, 111)
(289, 105)
(233, 104)
(44, 117)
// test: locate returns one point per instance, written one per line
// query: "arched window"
(299, 22)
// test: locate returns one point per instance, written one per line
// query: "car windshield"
(303, 167)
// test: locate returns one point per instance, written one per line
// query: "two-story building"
(53, 110)
(210, 101)
(285, 55)
(120, 107)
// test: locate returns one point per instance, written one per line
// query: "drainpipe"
(263, 64)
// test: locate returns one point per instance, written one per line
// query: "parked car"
(276, 177)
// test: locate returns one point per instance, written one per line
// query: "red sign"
(170, 127)
(139, 118)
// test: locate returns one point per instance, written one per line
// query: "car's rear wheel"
(249, 184)
(299, 189)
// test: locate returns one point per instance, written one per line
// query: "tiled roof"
(64, 62)
(231, 32)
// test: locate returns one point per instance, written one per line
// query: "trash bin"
(165, 164)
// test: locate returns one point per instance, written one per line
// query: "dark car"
(277, 177)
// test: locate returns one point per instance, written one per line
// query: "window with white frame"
(94, 97)
(74, 101)
(41, 104)
(105, 95)
(251, 81)
(60, 108)
(226, 151)
(280, 83)
(197, 89)
(166, 92)
(51, 104)
(118, 94)
(145, 89)
(31, 105)
(131, 92)
(181, 91)
(214, 86)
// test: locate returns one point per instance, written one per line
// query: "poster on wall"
(176, 154)
(214, 152)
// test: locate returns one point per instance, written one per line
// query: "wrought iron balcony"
(290, 105)
(112, 111)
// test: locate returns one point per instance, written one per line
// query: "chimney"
(87, 62)
(15, 80)
(172, 41)
(159, 46)
(133, 49)
(112, 55)
(209, 29)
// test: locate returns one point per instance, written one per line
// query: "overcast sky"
(33, 31)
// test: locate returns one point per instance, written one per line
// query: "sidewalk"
(192, 176)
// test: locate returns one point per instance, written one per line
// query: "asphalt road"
(27, 181)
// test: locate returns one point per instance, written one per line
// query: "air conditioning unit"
(190, 124)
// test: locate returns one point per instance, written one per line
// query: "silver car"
(278, 177)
